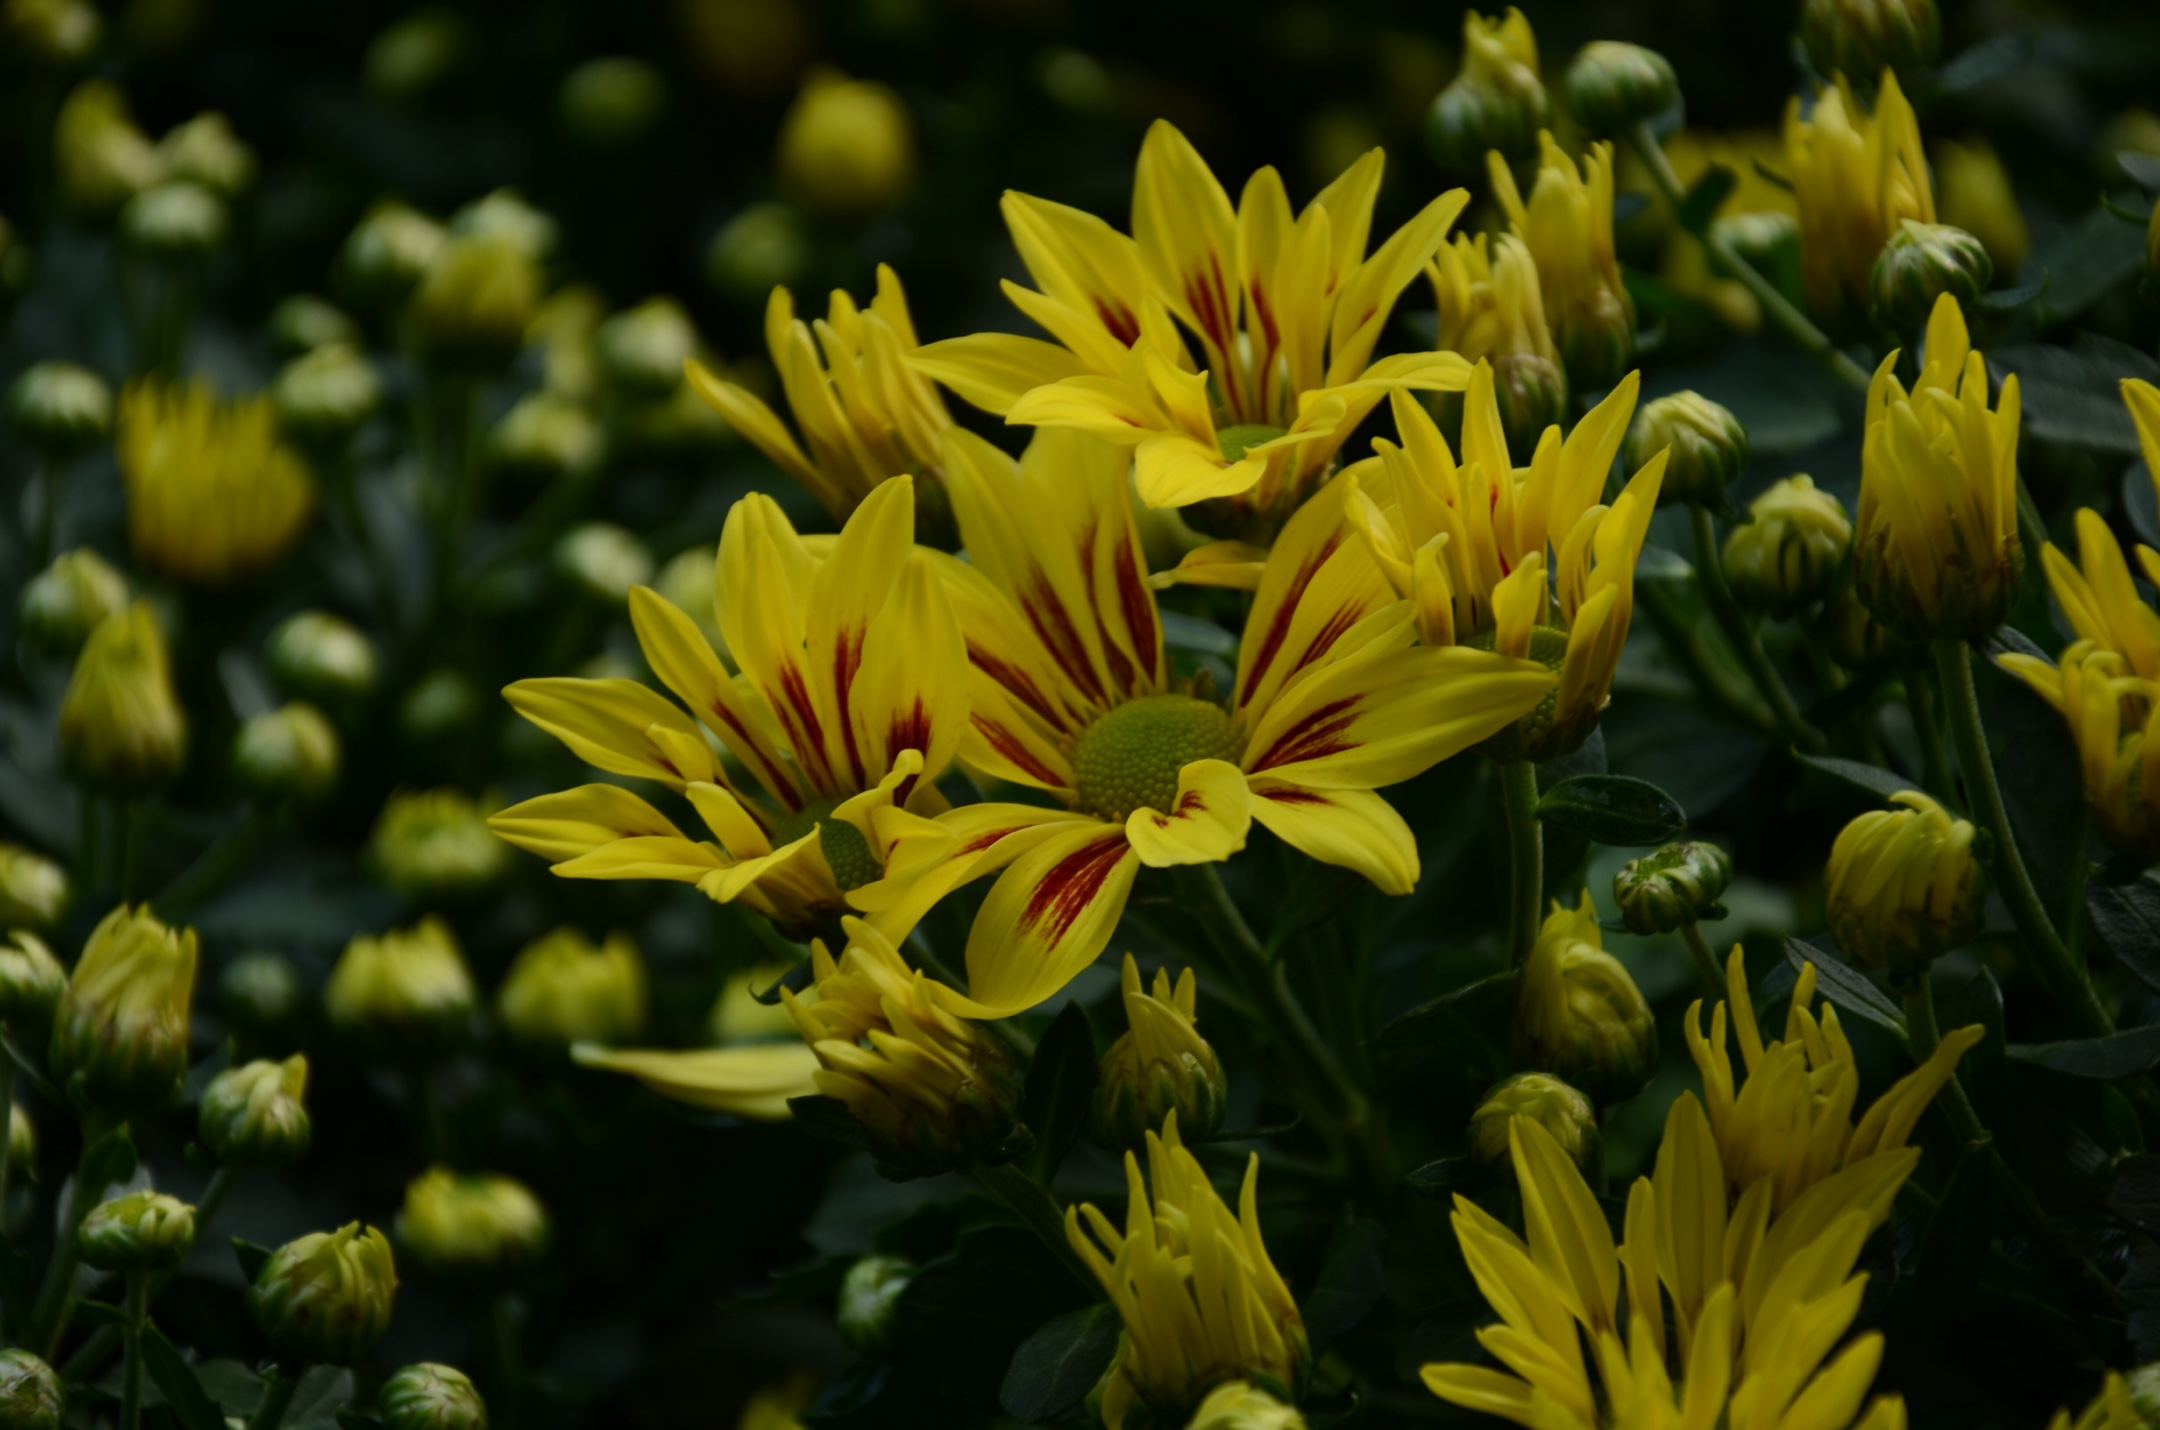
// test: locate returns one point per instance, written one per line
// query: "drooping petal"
(609, 724)
(754, 1081)
(1356, 829)
(1207, 823)
(1048, 916)
(572, 822)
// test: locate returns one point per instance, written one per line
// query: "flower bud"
(472, 308)
(100, 158)
(176, 219)
(21, 1151)
(1789, 556)
(565, 989)
(1861, 38)
(205, 151)
(847, 148)
(603, 561)
(121, 725)
(1853, 637)
(303, 322)
(504, 214)
(761, 248)
(30, 1396)
(1578, 1014)
(414, 55)
(1497, 102)
(643, 350)
(1239, 1406)
(1611, 86)
(142, 1231)
(1161, 1065)
(1532, 391)
(259, 991)
(53, 35)
(326, 393)
(471, 1229)
(1920, 263)
(544, 436)
(32, 981)
(326, 1296)
(612, 101)
(404, 994)
(66, 601)
(387, 254)
(1709, 446)
(120, 1034)
(1903, 888)
(1545, 1100)
(60, 409)
(319, 656)
(286, 756)
(440, 704)
(436, 844)
(252, 1116)
(1678, 885)
(869, 1301)
(430, 1397)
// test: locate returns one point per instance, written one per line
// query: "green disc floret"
(850, 856)
(1235, 441)
(1131, 758)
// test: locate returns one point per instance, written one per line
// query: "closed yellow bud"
(60, 409)
(643, 350)
(1856, 177)
(259, 991)
(563, 989)
(120, 1034)
(1709, 447)
(761, 248)
(302, 323)
(1497, 102)
(328, 1295)
(326, 393)
(612, 100)
(1567, 225)
(205, 151)
(1921, 263)
(433, 844)
(121, 725)
(213, 495)
(100, 158)
(1489, 305)
(32, 982)
(1161, 1065)
(1677, 885)
(254, 1115)
(1788, 557)
(430, 1397)
(471, 1229)
(1545, 1100)
(1902, 887)
(546, 435)
(847, 148)
(1238, 1406)
(142, 1231)
(414, 55)
(30, 1393)
(66, 601)
(603, 561)
(1578, 1013)
(403, 994)
(174, 220)
(869, 1301)
(387, 254)
(504, 214)
(473, 306)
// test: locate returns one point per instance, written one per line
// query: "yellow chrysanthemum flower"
(2143, 400)
(1935, 542)
(1567, 226)
(1857, 176)
(1286, 311)
(1071, 695)
(1201, 1301)
(212, 494)
(864, 413)
(1472, 545)
(2111, 1409)
(1902, 887)
(852, 700)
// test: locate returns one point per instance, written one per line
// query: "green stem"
(225, 857)
(7, 1101)
(1927, 721)
(1777, 310)
(509, 1364)
(138, 1310)
(1683, 642)
(1706, 962)
(130, 846)
(1710, 570)
(1028, 1200)
(278, 1392)
(56, 1298)
(1526, 856)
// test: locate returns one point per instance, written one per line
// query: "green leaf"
(184, 1395)
(110, 1159)
(1871, 779)
(964, 1314)
(2009, 300)
(1442, 1178)
(1847, 987)
(2127, 918)
(827, 1119)
(2083, 263)
(1956, 1249)
(1060, 1085)
(2072, 395)
(324, 1391)
(1351, 1279)
(236, 1388)
(251, 1258)
(2132, 1050)
(99, 1313)
(1613, 809)
(1702, 201)
(1662, 563)
(1469, 1014)
(1054, 1369)
(1982, 65)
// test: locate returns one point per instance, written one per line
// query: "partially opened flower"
(1489, 305)
(212, 494)
(1567, 225)
(1857, 177)
(1072, 696)
(2114, 719)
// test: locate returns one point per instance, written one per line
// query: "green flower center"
(1234, 440)
(1130, 758)
(1548, 645)
(853, 862)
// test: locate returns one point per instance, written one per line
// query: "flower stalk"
(1038, 1211)
(1710, 568)
(1526, 855)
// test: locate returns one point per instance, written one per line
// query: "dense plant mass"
(827, 717)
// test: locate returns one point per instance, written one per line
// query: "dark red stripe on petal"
(1121, 671)
(908, 731)
(1288, 795)
(749, 749)
(1330, 632)
(1118, 319)
(987, 838)
(1314, 735)
(847, 663)
(1006, 743)
(1069, 886)
(1278, 629)
(798, 713)
(1138, 604)
(1054, 625)
(1015, 681)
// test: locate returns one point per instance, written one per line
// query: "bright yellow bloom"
(1201, 1302)
(212, 494)
(1578, 1013)
(1160, 1065)
(2142, 398)
(2111, 1409)
(1333, 701)
(851, 702)
(1936, 540)
(1488, 299)
(864, 413)
(1903, 888)
(1286, 311)
(1471, 546)
(1857, 177)
(1567, 225)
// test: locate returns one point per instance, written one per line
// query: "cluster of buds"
(1161, 1065)
(1579, 1015)
(1903, 888)
(472, 1230)
(120, 1032)
(1789, 555)
(326, 1296)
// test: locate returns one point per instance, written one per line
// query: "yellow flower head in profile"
(1857, 177)
(1578, 1013)
(1238, 1406)
(1477, 546)
(1567, 226)
(1935, 542)
(212, 494)
(1903, 887)
(1490, 307)
(1201, 1302)
(1071, 695)
(1160, 1065)
(121, 724)
(863, 412)
(1230, 349)
(851, 701)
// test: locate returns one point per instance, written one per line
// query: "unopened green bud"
(1496, 102)
(1611, 86)
(1532, 392)
(30, 1394)
(761, 248)
(564, 989)
(442, 702)
(142, 1231)
(1861, 38)
(303, 322)
(430, 1397)
(847, 148)
(322, 657)
(1678, 885)
(254, 1115)
(545, 435)
(60, 409)
(1545, 1100)
(1709, 446)
(436, 843)
(1238, 1405)
(403, 995)
(54, 35)
(286, 756)
(1160, 1066)
(328, 1295)
(259, 991)
(604, 561)
(643, 350)
(869, 1301)
(1787, 558)
(120, 1034)
(471, 1229)
(612, 100)
(99, 157)
(1578, 1013)
(414, 55)
(1920, 263)
(32, 981)
(21, 1152)
(121, 725)
(387, 254)
(177, 219)
(33, 890)
(206, 151)
(326, 393)
(66, 601)
(472, 308)
(1903, 888)
(504, 214)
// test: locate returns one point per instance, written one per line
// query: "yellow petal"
(995, 370)
(1208, 823)
(574, 821)
(1356, 829)
(1047, 917)
(606, 723)
(754, 1081)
